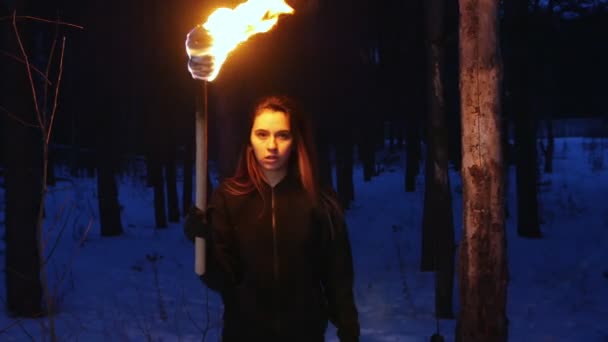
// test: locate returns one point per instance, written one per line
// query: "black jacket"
(282, 266)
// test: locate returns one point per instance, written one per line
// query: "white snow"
(141, 286)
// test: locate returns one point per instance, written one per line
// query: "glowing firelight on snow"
(230, 27)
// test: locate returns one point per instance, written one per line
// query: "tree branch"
(50, 128)
(16, 118)
(40, 73)
(27, 17)
(29, 73)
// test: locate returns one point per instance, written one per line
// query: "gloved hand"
(201, 63)
(196, 224)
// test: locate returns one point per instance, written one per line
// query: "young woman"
(278, 251)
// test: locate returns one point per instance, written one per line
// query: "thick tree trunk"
(437, 221)
(482, 269)
(23, 189)
(518, 83)
(23, 175)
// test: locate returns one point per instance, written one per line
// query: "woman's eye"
(284, 136)
(261, 135)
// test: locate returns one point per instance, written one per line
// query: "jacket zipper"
(275, 253)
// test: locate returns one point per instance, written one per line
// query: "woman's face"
(271, 140)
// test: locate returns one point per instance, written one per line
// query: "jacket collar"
(289, 181)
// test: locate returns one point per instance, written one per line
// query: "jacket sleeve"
(221, 273)
(338, 281)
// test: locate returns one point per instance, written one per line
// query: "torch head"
(200, 58)
(198, 42)
(208, 45)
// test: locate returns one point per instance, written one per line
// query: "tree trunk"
(517, 81)
(437, 221)
(550, 147)
(324, 156)
(155, 174)
(22, 196)
(452, 94)
(51, 180)
(415, 88)
(412, 155)
(482, 268)
(188, 189)
(171, 179)
(107, 168)
(367, 156)
(23, 174)
(107, 193)
(344, 169)
(549, 84)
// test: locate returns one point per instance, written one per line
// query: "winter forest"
(466, 140)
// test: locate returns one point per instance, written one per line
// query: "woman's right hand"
(196, 224)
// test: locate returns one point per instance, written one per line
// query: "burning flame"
(230, 27)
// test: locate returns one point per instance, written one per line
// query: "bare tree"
(415, 80)
(437, 252)
(32, 83)
(23, 150)
(518, 80)
(482, 252)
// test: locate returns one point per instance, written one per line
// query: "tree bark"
(23, 174)
(344, 168)
(437, 221)
(171, 179)
(412, 155)
(107, 194)
(188, 189)
(324, 156)
(518, 80)
(414, 79)
(155, 174)
(550, 147)
(22, 196)
(367, 155)
(482, 269)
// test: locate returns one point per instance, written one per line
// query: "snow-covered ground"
(141, 286)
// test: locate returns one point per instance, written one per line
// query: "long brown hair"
(302, 162)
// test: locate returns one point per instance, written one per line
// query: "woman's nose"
(272, 144)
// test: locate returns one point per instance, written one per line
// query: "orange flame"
(230, 27)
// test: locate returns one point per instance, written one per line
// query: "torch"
(208, 45)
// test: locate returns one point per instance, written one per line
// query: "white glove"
(201, 63)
